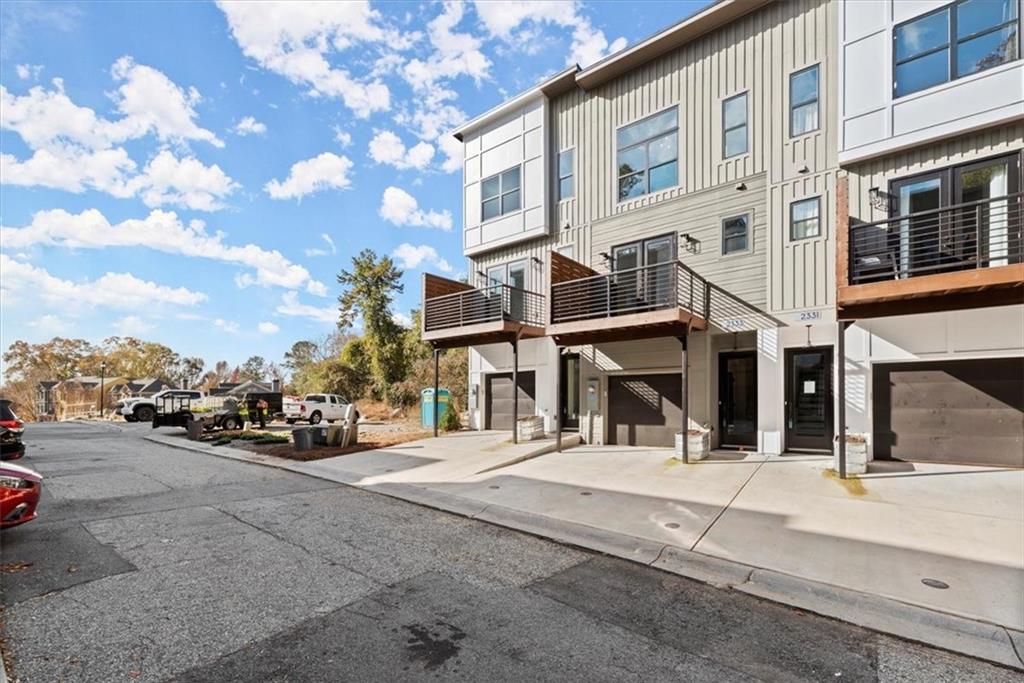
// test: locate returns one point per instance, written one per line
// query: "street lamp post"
(103, 376)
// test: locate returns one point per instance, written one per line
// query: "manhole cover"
(672, 525)
(935, 583)
(586, 493)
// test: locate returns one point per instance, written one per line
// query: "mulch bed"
(373, 442)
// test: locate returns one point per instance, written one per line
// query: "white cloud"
(112, 290)
(401, 318)
(290, 306)
(342, 137)
(132, 326)
(250, 126)
(183, 182)
(454, 54)
(388, 148)
(316, 288)
(29, 72)
(410, 257)
(160, 230)
(226, 325)
(268, 328)
(293, 39)
(322, 172)
(49, 324)
(317, 251)
(503, 20)
(401, 208)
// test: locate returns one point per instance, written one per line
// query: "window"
(804, 218)
(734, 124)
(568, 251)
(803, 101)
(647, 154)
(565, 174)
(735, 234)
(499, 194)
(953, 42)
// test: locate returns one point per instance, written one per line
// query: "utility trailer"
(172, 411)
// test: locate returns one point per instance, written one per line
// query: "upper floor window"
(805, 218)
(734, 124)
(499, 194)
(647, 153)
(803, 101)
(953, 42)
(565, 174)
(735, 234)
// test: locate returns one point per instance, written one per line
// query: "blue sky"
(197, 174)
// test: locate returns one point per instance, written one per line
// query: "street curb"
(885, 615)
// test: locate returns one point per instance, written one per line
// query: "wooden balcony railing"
(495, 303)
(981, 234)
(636, 290)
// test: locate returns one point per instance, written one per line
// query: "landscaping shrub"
(450, 421)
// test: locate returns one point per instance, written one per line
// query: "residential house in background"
(144, 387)
(44, 398)
(930, 260)
(654, 234)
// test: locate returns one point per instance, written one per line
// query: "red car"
(19, 494)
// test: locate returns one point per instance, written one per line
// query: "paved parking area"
(151, 564)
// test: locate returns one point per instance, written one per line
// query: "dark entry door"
(950, 411)
(809, 398)
(499, 399)
(570, 391)
(644, 410)
(737, 398)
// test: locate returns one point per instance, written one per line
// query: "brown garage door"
(644, 410)
(499, 399)
(965, 411)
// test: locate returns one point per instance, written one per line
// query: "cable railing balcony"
(656, 287)
(494, 303)
(981, 234)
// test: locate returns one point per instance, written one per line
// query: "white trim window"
(647, 154)
(566, 176)
(805, 218)
(736, 234)
(734, 126)
(500, 194)
(803, 101)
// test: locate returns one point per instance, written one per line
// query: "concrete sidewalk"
(783, 528)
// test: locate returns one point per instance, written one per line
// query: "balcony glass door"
(919, 235)
(641, 281)
(658, 278)
(625, 286)
(517, 290)
(985, 231)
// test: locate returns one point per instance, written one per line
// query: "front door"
(571, 391)
(737, 399)
(809, 399)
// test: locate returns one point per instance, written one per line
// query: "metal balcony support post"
(841, 394)
(685, 403)
(558, 400)
(437, 381)
(515, 388)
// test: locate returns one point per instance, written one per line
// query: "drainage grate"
(586, 493)
(935, 583)
(672, 525)
(494, 486)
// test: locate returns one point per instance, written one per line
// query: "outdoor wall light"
(741, 187)
(604, 255)
(692, 243)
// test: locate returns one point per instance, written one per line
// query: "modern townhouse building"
(653, 240)
(930, 251)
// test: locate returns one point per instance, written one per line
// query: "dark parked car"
(11, 430)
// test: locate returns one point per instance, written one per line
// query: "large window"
(566, 187)
(953, 42)
(734, 125)
(499, 194)
(805, 218)
(647, 154)
(736, 234)
(803, 101)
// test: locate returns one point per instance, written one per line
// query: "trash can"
(427, 405)
(195, 429)
(303, 439)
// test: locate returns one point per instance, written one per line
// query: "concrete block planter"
(698, 445)
(856, 454)
(530, 428)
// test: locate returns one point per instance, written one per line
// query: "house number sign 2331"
(810, 315)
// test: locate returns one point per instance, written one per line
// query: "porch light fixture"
(537, 260)
(880, 199)
(741, 187)
(604, 255)
(692, 243)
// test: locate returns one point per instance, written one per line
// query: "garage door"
(499, 399)
(967, 411)
(644, 410)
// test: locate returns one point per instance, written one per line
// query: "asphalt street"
(150, 563)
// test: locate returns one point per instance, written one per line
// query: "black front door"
(570, 391)
(809, 398)
(737, 399)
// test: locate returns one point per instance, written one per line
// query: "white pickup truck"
(314, 408)
(143, 409)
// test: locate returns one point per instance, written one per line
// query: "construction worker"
(261, 410)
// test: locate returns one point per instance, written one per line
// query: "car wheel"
(330, 422)
(144, 414)
(357, 416)
(130, 418)
(291, 421)
(315, 417)
(230, 423)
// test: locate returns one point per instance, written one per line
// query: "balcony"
(963, 256)
(458, 314)
(660, 300)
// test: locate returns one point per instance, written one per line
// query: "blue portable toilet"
(427, 405)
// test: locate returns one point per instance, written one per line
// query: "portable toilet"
(427, 405)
